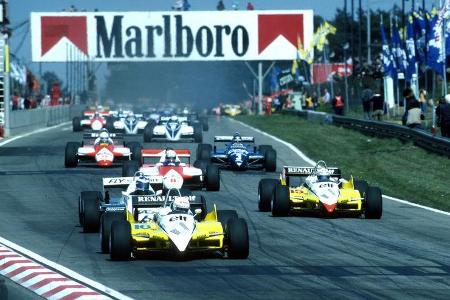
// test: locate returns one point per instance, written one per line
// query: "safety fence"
(419, 137)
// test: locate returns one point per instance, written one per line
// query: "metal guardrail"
(419, 137)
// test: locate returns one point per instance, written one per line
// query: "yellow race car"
(232, 110)
(167, 224)
(318, 189)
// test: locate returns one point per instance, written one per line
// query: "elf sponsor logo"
(139, 41)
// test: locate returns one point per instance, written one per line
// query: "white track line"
(312, 162)
(59, 268)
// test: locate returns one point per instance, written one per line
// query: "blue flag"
(410, 51)
(436, 55)
(388, 62)
(420, 34)
(398, 50)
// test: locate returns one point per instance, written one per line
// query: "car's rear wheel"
(223, 215)
(270, 160)
(136, 151)
(71, 154)
(237, 238)
(263, 149)
(265, 193)
(204, 152)
(148, 133)
(198, 133)
(373, 203)
(129, 168)
(106, 221)
(90, 210)
(361, 186)
(120, 240)
(280, 205)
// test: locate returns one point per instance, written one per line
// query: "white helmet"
(173, 118)
(181, 205)
(104, 134)
(171, 157)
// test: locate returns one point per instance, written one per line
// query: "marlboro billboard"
(169, 36)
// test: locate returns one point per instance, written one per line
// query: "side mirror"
(198, 211)
(159, 193)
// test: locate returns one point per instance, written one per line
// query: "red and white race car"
(169, 162)
(103, 149)
(92, 120)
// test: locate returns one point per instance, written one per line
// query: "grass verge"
(400, 170)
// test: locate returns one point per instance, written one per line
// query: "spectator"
(413, 112)
(338, 104)
(15, 101)
(378, 107)
(309, 102)
(326, 96)
(250, 6)
(186, 5)
(443, 116)
(315, 99)
(178, 6)
(366, 98)
(220, 5)
(423, 100)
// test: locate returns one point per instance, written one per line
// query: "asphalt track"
(403, 255)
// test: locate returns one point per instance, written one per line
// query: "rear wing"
(225, 138)
(306, 171)
(94, 135)
(159, 153)
(124, 182)
(158, 201)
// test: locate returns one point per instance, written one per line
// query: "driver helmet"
(237, 137)
(96, 114)
(173, 119)
(171, 158)
(104, 136)
(142, 183)
(180, 205)
(130, 114)
(323, 174)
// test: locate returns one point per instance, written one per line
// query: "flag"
(420, 34)
(388, 64)
(410, 51)
(294, 67)
(435, 51)
(398, 50)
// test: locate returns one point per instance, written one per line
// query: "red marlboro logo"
(271, 26)
(53, 29)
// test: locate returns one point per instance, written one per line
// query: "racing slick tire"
(204, 151)
(148, 133)
(105, 228)
(136, 151)
(76, 124)
(373, 203)
(70, 156)
(120, 240)
(280, 205)
(270, 160)
(265, 193)
(110, 124)
(202, 165)
(198, 133)
(205, 125)
(361, 186)
(212, 178)
(89, 210)
(263, 149)
(224, 215)
(129, 168)
(237, 238)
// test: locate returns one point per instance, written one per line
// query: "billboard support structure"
(260, 78)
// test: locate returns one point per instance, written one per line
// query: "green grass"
(400, 170)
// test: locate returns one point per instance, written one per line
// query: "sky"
(19, 11)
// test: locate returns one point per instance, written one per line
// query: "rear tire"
(280, 206)
(266, 188)
(120, 240)
(361, 186)
(76, 124)
(71, 154)
(90, 210)
(136, 152)
(129, 168)
(202, 165)
(373, 203)
(212, 178)
(198, 133)
(237, 238)
(204, 151)
(148, 133)
(224, 215)
(270, 160)
(110, 124)
(105, 228)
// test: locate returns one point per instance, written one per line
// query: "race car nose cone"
(329, 207)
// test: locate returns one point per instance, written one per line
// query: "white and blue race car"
(130, 124)
(173, 129)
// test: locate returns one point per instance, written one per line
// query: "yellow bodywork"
(232, 110)
(301, 198)
(208, 235)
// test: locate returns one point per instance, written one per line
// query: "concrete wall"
(22, 121)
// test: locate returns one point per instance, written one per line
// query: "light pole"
(347, 99)
(369, 60)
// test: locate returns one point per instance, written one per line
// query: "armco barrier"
(23, 121)
(420, 138)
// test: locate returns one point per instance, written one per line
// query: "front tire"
(280, 206)
(76, 124)
(105, 228)
(373, 203)
(212, 178)
(148, 133)
(120, 240)
(136, 151)
(265, 193)
(71, 154)
(237, 237)
(270, 160)
(198, 133)
(204, 152)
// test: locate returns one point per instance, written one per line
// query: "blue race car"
(239, 153)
